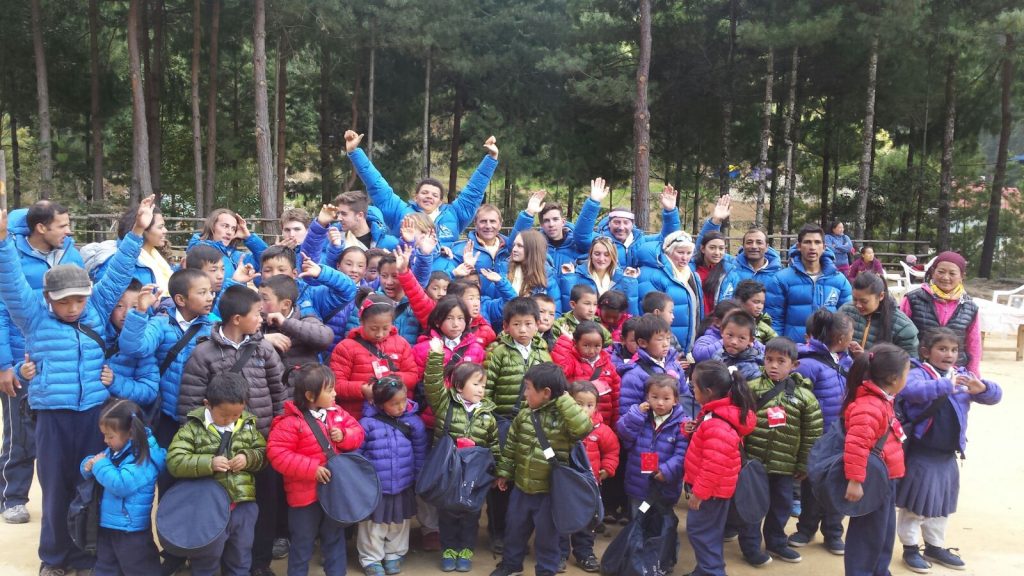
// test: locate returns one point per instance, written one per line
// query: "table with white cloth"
(1001, 319)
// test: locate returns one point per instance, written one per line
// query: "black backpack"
(84, 510)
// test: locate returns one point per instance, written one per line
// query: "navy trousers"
(306, 523)
(813, 515)
(869, 540)
(120, 553)
(458, 531)
(705, 528)
(233, 551)
(65, 437)
(18, 451)
(268, 484)
(497, 511)
(780, 487)
(581, 544)
(526, 513)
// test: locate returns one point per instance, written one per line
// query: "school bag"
(354, 490)
(84, 511)
(456, 479)
(826, 473)
(576, 499)
(752, 496)
(193, 516)
(646, 546)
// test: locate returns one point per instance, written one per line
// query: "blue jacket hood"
(828, 259)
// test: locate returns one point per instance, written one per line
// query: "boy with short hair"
(298, 339)
(654, 355)
(322, 289)
(195, 453)
(661, 304)
(582, 308)
(546, 319)
(132, 378)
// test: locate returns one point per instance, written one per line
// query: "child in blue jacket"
(127, 471)
(654, 355)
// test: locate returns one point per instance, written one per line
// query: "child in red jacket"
(875, 379)
(293, 451)
(581, 358)
(713, 459)
(369, 353)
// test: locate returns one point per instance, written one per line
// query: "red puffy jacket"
(867, 418)
(713, 460)
(352, 365)
(294, 452)
(576, 368)
(602, 448)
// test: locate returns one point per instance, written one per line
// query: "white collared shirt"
(450, 343)
(235, 345)
(182, 323)
(210, 422)
(524, 350)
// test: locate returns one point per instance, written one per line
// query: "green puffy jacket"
(522, 459)
(568, 322)
(784, 449)
(194, 446)
(765, 332)
(481, 427)
(506, 368)
(904, 332)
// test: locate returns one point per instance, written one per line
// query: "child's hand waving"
(973, 384)
(310, 269)
(491, 275)
(403, 254)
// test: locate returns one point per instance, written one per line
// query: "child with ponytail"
(127, 470)
(869, 417)
(713, 459)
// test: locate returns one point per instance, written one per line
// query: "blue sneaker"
(449, 560)
(913, 560)
(945, 556)
(465, 561)
(375, 569)
(393, 566)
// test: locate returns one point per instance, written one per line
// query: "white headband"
(677, 237)
(621, 214)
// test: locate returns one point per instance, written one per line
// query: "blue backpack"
(646, 546)
(578, 503)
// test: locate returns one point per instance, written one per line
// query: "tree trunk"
(283, 56)
(697, 173)
(210, 198)
(95, 122)
(905, 205)
(642, 123)
(197, 129)
(425, 171)
(788, 134)
(453, 160)
(766, 136)
(370, 92)
(773, 196)
(723, 171)
(326, 165)
(357, 92)
(154, 72)
(867, 143)
(15, 163)
(946, 170)
(264, 159)
(142, 187)
(995, 201)
(826, 159)
(43, 100)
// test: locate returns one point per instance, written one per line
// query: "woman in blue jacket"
(674, 275)
(225, 230)
(840, 244)
(601, 270)
(528, 271)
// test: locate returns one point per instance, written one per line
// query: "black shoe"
(589, 564)
(600, 528)
(172, 565)
(913, 560)
(786, 554)
(497, 544)
(833, 545)
(945, 556)
(280, 549)
(502, 571)
(799, 539)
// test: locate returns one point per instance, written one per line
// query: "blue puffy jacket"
(741, 270)
(747, 362)
(405, 321)
(452, 218)
(396, 458)
(96, 256)
(581, 275)
(154, 337)
(325, 294)
(70, 362)
(316, 239)
(135, 379)
(638, 435)
(484, 258)
(232, 255)
(127, 503)
(689, 300)
(829, 378)
(632, 256)
(503, 288)
(576, 238)
(792, 296)
(634, 377)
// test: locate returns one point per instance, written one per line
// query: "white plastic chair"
(1015, 302)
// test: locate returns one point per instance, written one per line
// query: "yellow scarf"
(151, 258)
(954, 294)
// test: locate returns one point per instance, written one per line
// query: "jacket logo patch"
(833, 298)
(444, 232)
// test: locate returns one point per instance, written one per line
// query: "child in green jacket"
(525, 465)
(221, 440)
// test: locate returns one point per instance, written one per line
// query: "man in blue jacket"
(567, 243)
(618, 225)
(42, 236)
(812, 281)
(489, 245)
(449, 219)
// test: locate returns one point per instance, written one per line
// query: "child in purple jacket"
(655, 355)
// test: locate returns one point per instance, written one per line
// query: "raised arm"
(377, 188)
(583, 230)
(669, 212)
(470, 198)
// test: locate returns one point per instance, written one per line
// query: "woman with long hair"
(601, 270)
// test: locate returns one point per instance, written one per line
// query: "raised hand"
(352, 140)
(721, 210)
(243, 228)
(408, 230)
(445, 252)
(491, 146)
(244, 273)
(328, 213)
(144, 216)
(334, 235)
(536, 202)
(147, 297)
(669, 197)
(598, 190)
(107, 376)
(427, 243)
(470, 255)
(403, 255)
(275, 319)
(310, 269)
(462, 270)
(490, 275)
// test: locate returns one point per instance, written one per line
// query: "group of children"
(380, 355)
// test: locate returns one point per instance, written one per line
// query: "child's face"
(114, 439)
(471, 297)
(736, 339)
(629, 342)
(699, 394)
(609, 317)
(589, 345)
(587, 401)
(68, 309)
(325, 399)
(657, 347)
(389, 282)
(474, 388)
(225, 413)
(273, 266)
(454, 324)
(353, 265)
(250, 323)
(842, 342)
(199, 300)
(437, 289)
(755, 305)
(668, 312)
(371, 273)
(535, 398)
(377, 327)
(215, 272)
(585, 308)
(522, 328)
(662, 399)
(396, 406)
(899, 383)
(942, 354)
(778, 366)
(547, 316)
(127, 302)
(272, 304)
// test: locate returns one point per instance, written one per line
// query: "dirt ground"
(987, 527)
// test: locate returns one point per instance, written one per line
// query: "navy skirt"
(931, 485)
(395, 508)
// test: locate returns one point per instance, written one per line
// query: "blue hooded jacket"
(630, 256)
(634, 377)
(581, 275)
(792, 295)
(127, 502)
(829, 380)
(316, 239)
(232, 255)
(396, 458)
(499, 291)
(484, 258)
(638, 435)
(576, 238)
(689, 301)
